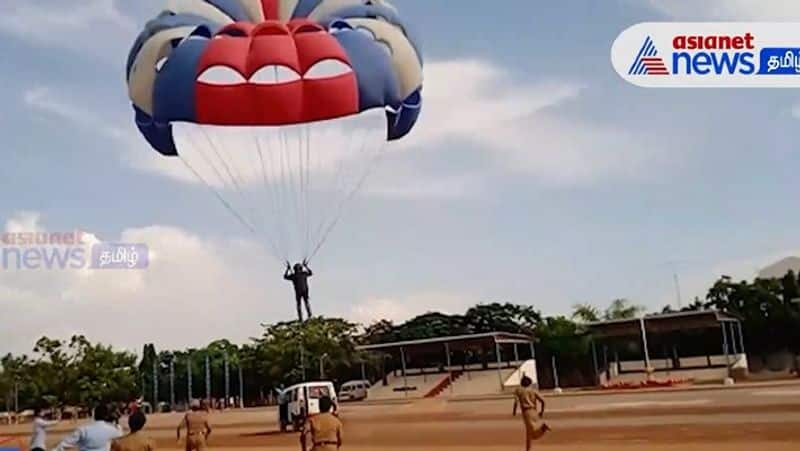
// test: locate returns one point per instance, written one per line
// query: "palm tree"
(622, 309)
(585, 313)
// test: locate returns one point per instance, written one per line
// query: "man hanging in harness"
(299, 277)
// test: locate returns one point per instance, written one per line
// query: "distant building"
(780, 268)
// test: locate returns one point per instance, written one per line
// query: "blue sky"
(565, 185)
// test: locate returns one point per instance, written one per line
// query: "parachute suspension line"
(218, 196)
(337, 190)
(267, 190)
(276, 181)
(227, 168)
(228, 206)
(238, 166)
(229, 184)
(338, 185)
(300, 180)
(301, 194)
(290, 217)
(276, 185)
(367, 171)
(308, 207)
(197, 148)
(284, 190)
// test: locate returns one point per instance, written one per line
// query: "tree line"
(77, 372)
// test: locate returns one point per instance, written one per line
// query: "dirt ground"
(488, 425)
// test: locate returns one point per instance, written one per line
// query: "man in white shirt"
(95, 436)
(40, 426)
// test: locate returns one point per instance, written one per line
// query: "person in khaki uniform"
(136, 440)
(197, 428)
(324, 429)
(526, 397)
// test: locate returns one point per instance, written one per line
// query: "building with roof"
(698, 346)
(455, 365)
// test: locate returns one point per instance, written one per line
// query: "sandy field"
(764, 419)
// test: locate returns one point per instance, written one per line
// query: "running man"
(526, 397)
(197, 428)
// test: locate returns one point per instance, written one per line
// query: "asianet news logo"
(67, 250)
(709, 55)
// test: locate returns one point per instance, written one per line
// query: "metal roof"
(497, 337)
(664, 322)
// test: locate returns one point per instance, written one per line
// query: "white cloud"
(24, 221)
(444, 187)
(193, 288)
(43, 100)
(402, 308)
(513, 120)
(81, 24)
(730, 10)
(469, 99)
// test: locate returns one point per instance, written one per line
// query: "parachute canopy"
(279, 106)
(272, 62)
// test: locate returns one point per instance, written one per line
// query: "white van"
(354, 390)
(303, 400)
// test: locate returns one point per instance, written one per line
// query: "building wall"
(694, 369)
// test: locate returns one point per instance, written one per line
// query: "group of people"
(102, 434)
(105, 434)
(322, 432)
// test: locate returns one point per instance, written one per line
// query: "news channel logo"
(709, 55)
(64, 251)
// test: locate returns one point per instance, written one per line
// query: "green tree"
(585, 313)
(622, 309)
(286, 348)
(382, 331)
(102, 373)
(497, 317)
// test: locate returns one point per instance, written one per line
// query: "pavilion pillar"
(555, 372)
(676, 361)
(644, 345)
(403, 366)
(449, 370)
(734, 339)
(594, 363)
(741, 337)
(516, 353)
(725, 348)
(499, 363)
